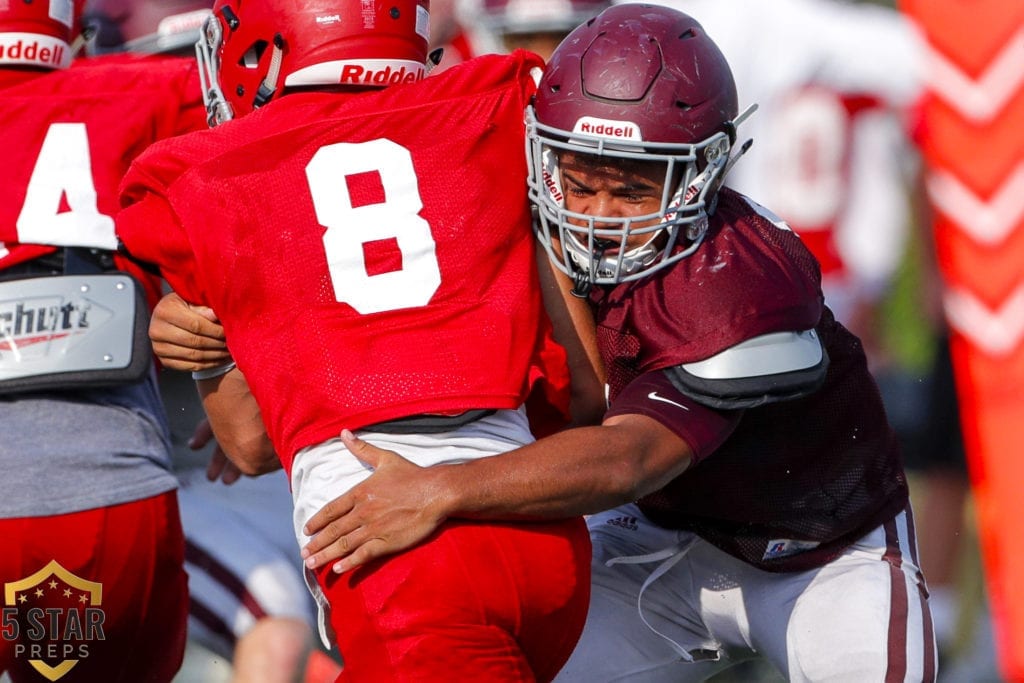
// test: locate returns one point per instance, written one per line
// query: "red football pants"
(131, 629)
(477, 602)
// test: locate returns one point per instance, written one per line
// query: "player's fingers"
(335, 545)
(193, 330)
(188, 359)
(201, 436)
(183, 314)
(330, 534)
(330, 512)
(367, 453)
(360, 556)
(218, 461)
(231, 474)
(185, 345)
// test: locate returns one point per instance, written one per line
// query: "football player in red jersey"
(368, 276)
(758, 502)
(249, 607)
(92, 567)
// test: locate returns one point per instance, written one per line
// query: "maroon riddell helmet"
(251, 50)
(38, 33)
(636, 82)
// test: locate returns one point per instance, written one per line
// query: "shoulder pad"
(767, 369)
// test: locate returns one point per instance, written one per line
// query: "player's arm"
(642, 444)
(573, 325)
(237, 422)
(187, 337)
(572, 472)
(657, 427)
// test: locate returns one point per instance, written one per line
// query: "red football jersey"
(68, 138)
(813, 473)
(370, 255)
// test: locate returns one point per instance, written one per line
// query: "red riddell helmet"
(145, 26)
(636, 82)
(509, 17)
(251, 50)
(38, 32)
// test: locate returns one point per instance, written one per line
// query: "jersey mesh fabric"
(236, 219)
(823, 469)
(112, 438)
(125, 102)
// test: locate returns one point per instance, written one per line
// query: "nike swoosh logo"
(654, 397)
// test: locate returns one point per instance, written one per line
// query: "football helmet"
(637, 82)
(38, 33)
(251, 50)
(512, 17)
(144, 26)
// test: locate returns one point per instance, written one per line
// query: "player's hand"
(397, 507)
(187, 337)
(220, 466)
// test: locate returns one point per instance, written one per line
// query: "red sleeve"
(150, 232)
(191, 111)
(652, 394)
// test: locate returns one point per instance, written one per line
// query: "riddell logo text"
(628, 132)
(32, 52)
(354, 74)
(556, 192)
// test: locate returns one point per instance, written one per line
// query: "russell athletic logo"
(34, 50)
(52, 617)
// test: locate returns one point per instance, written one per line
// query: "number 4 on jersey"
(64, 169)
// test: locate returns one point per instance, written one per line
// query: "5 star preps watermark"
(52, 617)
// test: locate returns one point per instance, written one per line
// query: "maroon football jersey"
(370, 255)
(68, 138)
(797, 480)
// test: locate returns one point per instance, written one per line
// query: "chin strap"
(81, 40)
(269, 85)
(731, 127)
(736, 157)
(581, 284)
(433, 59)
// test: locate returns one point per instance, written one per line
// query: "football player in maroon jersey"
(345, 236)
(93, 547)
(745, 488)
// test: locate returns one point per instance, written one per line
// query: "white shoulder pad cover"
(766, 369)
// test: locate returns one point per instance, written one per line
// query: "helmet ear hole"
(251, 58)
(268, 47)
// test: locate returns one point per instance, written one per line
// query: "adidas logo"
(629, 523)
